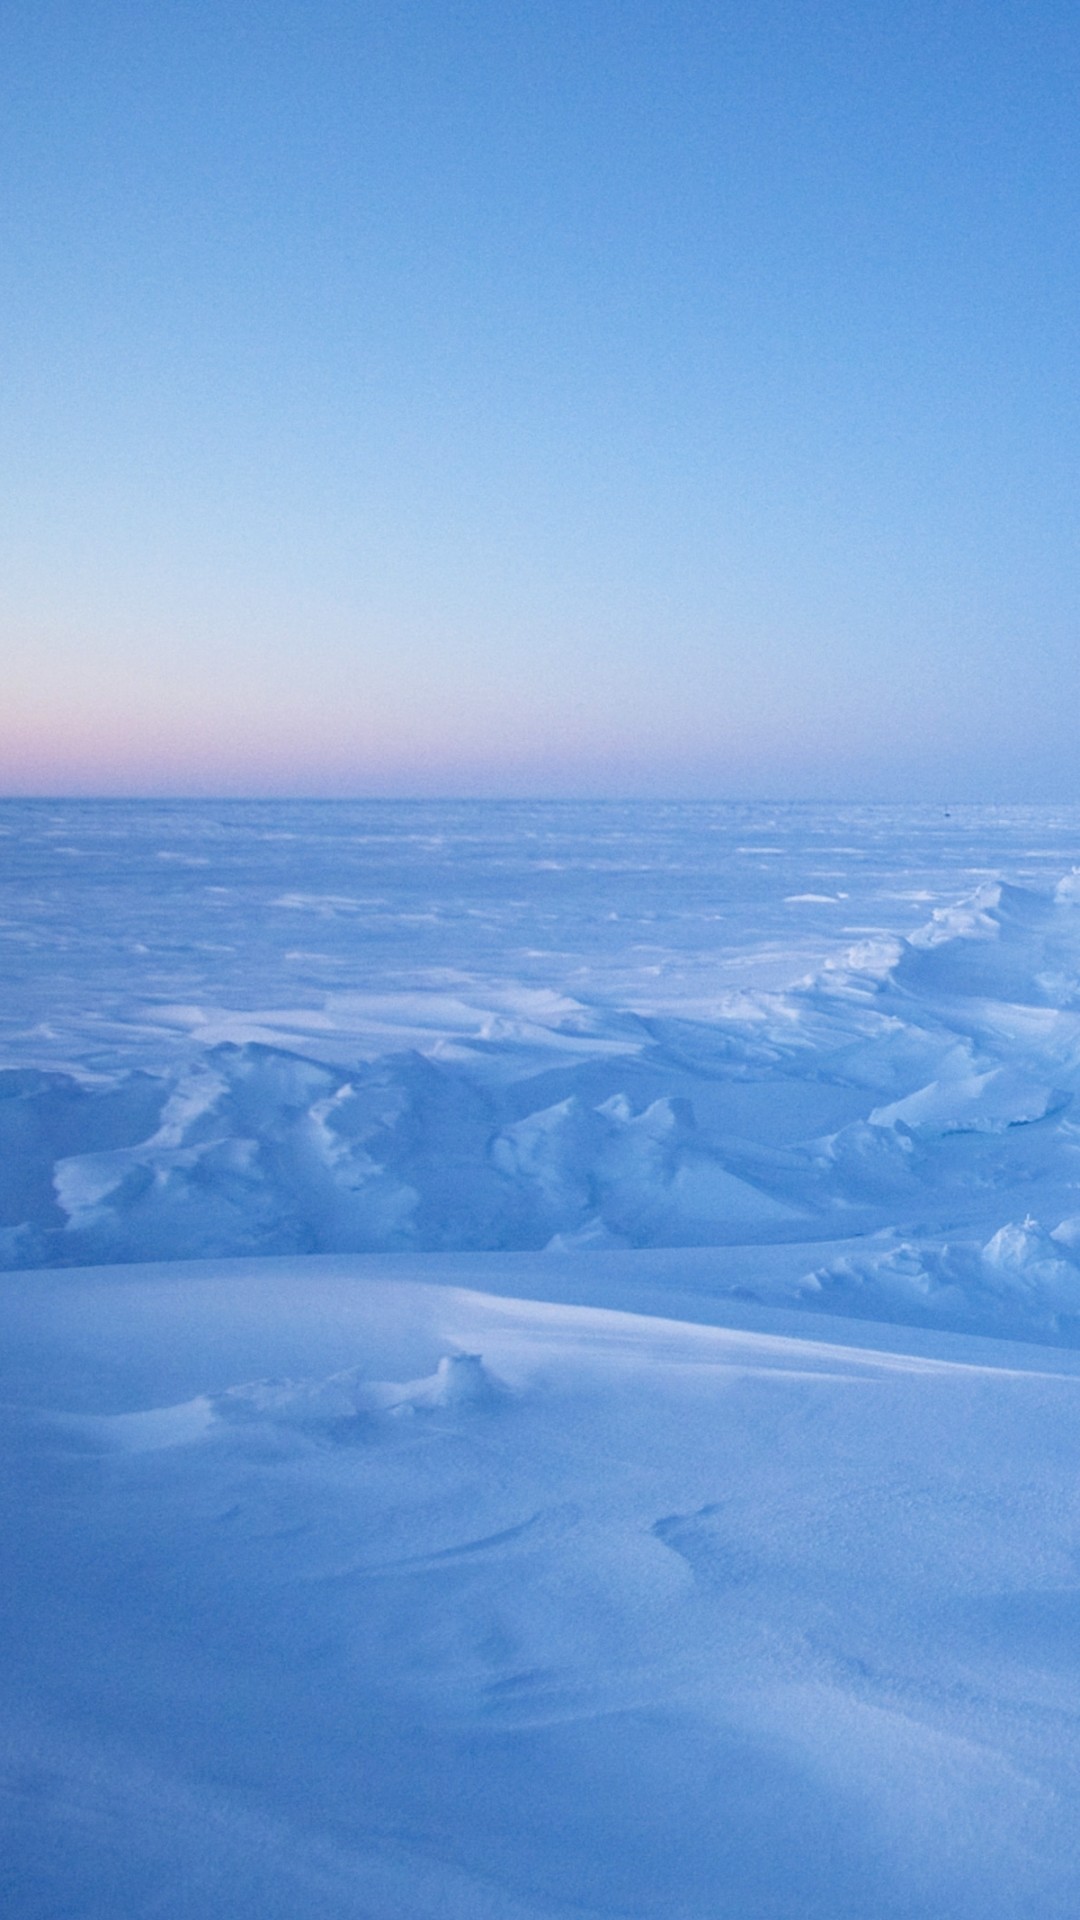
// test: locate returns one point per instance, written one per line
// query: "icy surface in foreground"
(649, 1483)
(344, 1595)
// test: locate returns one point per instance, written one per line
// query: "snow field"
(540, 1364)
(625, 1617)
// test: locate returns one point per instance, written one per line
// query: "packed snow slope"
(539, 1363)
(340, 1594)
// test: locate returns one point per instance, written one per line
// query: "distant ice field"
(115, 914)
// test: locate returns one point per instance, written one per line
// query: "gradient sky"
(563, 397)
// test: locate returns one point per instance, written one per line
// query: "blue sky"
(541, 398)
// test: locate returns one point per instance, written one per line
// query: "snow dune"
(518, 1608)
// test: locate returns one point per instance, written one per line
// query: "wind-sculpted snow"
(600, 1440)
(503, 1609)
(914, 1097)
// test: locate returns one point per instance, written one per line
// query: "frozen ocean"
(541, 1361)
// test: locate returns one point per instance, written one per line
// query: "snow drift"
(501, 1608)
(921, 1089)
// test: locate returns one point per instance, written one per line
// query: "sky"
(554, 397)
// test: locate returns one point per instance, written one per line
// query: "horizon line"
(509, 799)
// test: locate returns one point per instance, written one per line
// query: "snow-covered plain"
(541, 1361)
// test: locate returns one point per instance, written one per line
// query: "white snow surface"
(338, 1592)
(539, 1362)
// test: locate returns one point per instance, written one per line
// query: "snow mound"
(1024, 1283)
(1006, 943)
(348, 1404)
(1024, 1259)
(460, 1381)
